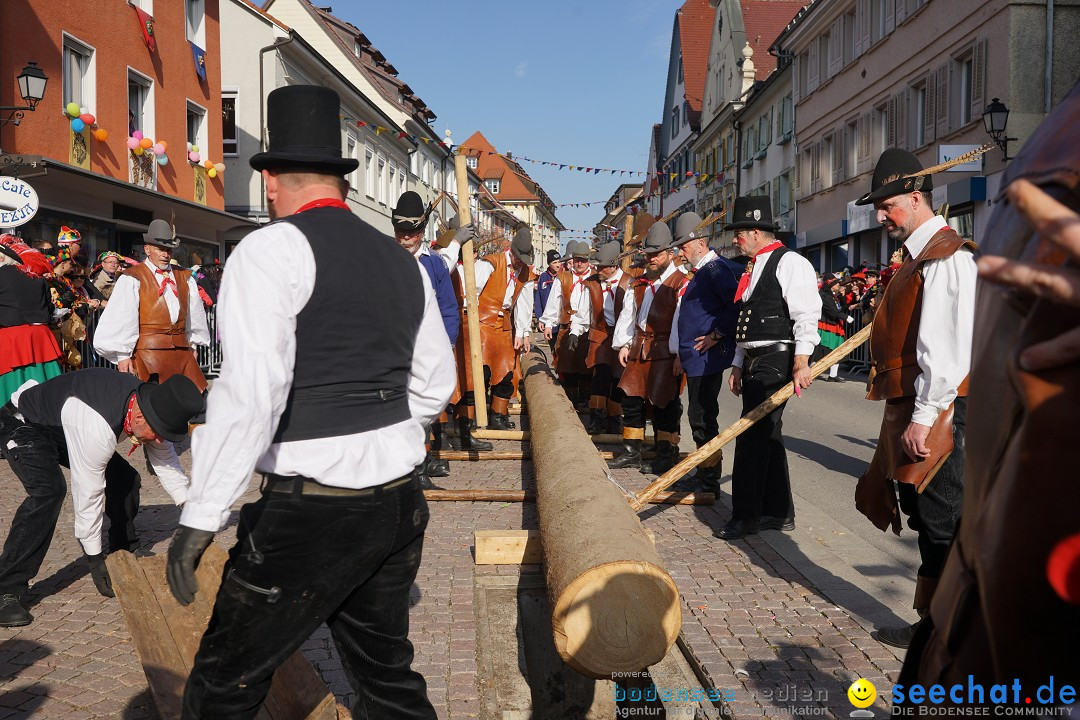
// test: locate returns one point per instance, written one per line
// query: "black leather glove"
(100, 574)
(465, 233)
(188, 545)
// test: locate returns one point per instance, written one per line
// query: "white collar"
(916, 243)
(614, 279)
(709, 257)
(156, 269)
(423, 249)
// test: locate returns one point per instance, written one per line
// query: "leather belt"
(757, 352)
(299, 485)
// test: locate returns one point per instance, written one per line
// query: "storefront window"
(838, 256)
(963, 222)
(96, 235)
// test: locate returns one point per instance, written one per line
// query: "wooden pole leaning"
(614, 606)
(628, 235)
(476, 357)
(743, 424)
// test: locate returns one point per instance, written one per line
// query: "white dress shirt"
(260, 299)
(625, 326)
(673, 339)
(608, 288)
(580, 306)
(118, 327)
(90, 445)
(943, 346)
(798, 285)
(523, 308)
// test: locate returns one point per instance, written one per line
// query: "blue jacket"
(707, 305)
(543, 289)
(444, 293)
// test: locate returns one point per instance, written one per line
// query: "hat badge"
(757, 214)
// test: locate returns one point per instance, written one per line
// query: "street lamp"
(995, 119)
(32, 81)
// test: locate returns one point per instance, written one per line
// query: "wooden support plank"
(167, 636)
(516, 496)
(524, 436)
(514, 547)
(476, 455)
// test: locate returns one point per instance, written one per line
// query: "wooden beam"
(514, 547)
(476, 357)
(521, 496)
(525, 436)
(476, 455)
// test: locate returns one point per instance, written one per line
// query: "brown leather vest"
(595, 286)
(895, 333)
(566, 282)
(156, 331)
(490, 300)
(662, 310)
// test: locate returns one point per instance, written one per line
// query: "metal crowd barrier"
(859, 360)
(209, 357)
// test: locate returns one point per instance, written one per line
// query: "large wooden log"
(167, 635)
(516, 496)
(476, 358)
(743, 424)
(614, 607)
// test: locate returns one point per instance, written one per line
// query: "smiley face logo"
(862, 693)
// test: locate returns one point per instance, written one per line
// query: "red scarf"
(127, 426)
(166, 280)
(321, 203)
(744, 281)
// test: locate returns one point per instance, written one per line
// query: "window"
(369, 172)
(686, 113)
(426, 168)
(471, 161)
(824, 53)
(196, 126)
(350, 152)
(391, 198)
(414, 163)
(400, 182)
(680, 68)
(782, 192)
(147, 6)
(492, 186)
(851, 149)
(802, 67)
(918, 118)
(674, 122)
(229, 143)
(879, 137)
(380, 179)
(78, 73)
(965, 66)
(436, 178)
(849, 37)
(826, 167)
(195, 14)
(140, 104)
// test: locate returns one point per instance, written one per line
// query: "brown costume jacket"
(497, 326)
(569, 355)
(163, 348)
(600, 333)
(648, 367)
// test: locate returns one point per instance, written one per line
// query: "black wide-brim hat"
(892, 176)
(410, 213)
(752, 212)
(304, 128)
(168, 407)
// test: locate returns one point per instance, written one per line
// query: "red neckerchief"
(744, 281)
(166, 280)
(321, 203)
(127, 426)
(608, 286)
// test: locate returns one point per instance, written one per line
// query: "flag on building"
(199, 55)
(146, 25)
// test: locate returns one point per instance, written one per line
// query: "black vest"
(765, 317)
(105, 390)
(24, 300)
(356, 334)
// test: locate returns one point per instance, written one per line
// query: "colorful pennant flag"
(199, 55)
(146, 26)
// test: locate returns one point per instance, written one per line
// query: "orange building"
(96, 57)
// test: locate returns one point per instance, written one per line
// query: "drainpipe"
(737, 126)
(1048, 81)
(262, 111)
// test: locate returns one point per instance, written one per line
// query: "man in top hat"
(505, 284)
(410, 219)
(155, 317)
(332, 407)
(703, 336)
(775, 332)
(607, 292)
(544, 283)
(641, 339)
(920, 352)
(568, 309)
(77, 420)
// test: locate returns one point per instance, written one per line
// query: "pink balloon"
(193, 157)
(158, 149)
(137, 135)
(132, 143)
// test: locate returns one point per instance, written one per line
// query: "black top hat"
(752, 212)
(169, 407)
(892, 176)
(161, 234)
(607, 255)
(552, 256)
(305, 131)
(686, 228)
(410, 213)
(657, 239)
(521, 246)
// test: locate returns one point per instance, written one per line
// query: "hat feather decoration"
(958, 160)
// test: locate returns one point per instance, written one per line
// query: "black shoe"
(666, 455)
(737, 529)
(497, 421)
(12, 612)
(775, 523)
(436, 468)
(426, 484)
(596, 423)
(464, 439)
(897, 637)
(629, 458)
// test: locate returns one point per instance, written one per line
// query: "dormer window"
(471, 161)
(358, 51)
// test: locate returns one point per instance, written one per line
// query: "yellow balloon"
(211, 173)
(139, 150)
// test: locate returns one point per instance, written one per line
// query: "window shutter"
(890, 17)
(796, 182)
(941, 105)
(839, 144)
(901, 11)
(815, 168)
(836, 46)
(890, 122)
(978, 79)
(863, 151)
(929, 114)
(813, 72)
(902, 118)
(861, 8)
(796, 74)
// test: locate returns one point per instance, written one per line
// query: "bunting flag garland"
(199, 56)
(146, 25)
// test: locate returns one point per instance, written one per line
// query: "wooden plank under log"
(513, 547)
(167, 635)
(516, 496)
(525, 436)
(476, 455)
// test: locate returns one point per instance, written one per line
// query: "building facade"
(616, 210)
(767, 129)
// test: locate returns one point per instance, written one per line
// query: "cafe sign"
(18, 202)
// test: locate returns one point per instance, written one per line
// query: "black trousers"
(703, 407)
(760, 484)
(35, 454)
(935, 513)
(605, 389)
(348, 561)
(665, 419)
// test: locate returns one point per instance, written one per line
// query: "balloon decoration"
(78, 125)
(163, 160)
(73, 109)
(194, 157)
(101, 134)
(132, 143)
(88, 118)
(220, 167)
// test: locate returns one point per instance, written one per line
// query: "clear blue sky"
(576, 82)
